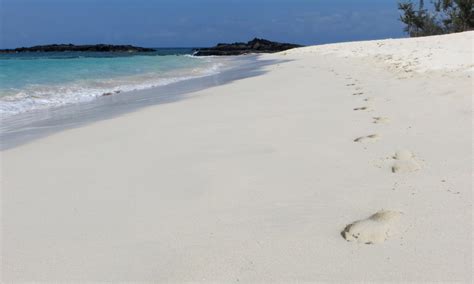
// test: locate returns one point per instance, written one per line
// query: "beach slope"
(345, 162)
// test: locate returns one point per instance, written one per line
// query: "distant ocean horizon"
(38, 80)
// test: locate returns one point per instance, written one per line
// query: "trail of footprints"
(382, 225)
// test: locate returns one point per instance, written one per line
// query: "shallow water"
(31, 81)
(26, 126)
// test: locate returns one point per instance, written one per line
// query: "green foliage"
(446, 16)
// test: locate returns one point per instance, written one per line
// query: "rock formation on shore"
(254, 46)
(81, 48)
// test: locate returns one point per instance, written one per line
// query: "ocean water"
(48, 102)
(36, 81)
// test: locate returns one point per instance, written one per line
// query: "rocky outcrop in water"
(80, 48)
(239, 48)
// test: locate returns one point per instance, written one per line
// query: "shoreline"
(25, 127)
(347, 162)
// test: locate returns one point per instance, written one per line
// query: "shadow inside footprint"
(368, 138)
(375, 229)
(361, 108)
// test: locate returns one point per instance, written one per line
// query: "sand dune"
(253, 181)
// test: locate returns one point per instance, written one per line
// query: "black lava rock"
(239, 48)
(80, 48)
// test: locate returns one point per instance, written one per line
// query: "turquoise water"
(33, 81)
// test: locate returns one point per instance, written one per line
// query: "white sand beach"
(256, 181)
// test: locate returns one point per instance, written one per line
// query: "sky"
(194, 23)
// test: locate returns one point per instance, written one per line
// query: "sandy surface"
(255, 181)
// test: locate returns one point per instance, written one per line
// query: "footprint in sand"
(366, 108)
(402, 161)
(368, 138)
(380, 120)
(376, 229)
(405, 162)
